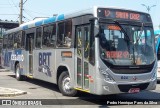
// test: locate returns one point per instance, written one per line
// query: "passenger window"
(60, 37)
(53, 36)
(5, 40)
(49, 33)
(38, 37)
(68, 33)
(64, 34)
(23, 39)
(17, 40)
(10, 41)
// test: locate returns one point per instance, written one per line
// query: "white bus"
(99, 50)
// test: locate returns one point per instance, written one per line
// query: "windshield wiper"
(134, 59)
(122, 30)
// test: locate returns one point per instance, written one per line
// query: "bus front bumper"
(158, 73)
(116, 88)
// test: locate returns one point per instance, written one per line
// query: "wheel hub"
(17, 72)
(66, 84)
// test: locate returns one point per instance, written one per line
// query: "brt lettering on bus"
(44, 58)
(44, 63)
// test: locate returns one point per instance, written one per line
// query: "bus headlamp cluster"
(154, 76)
(106, 75)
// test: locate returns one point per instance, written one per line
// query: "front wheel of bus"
(64, 85)
(17, 72)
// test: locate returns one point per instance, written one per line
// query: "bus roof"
(43, 21)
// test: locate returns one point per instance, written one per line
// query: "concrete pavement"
(7, 92)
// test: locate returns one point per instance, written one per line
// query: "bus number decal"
(124, 77)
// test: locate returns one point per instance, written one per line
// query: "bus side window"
(60, 37)
(49, 36)
(64, 34)
(17, 40)
(53, 36)
(5, 38)
(10, 41)
(23, 39)
(68, 33)
(38, 37)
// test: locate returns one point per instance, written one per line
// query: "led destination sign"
(123, 15)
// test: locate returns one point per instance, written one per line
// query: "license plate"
(134, 90)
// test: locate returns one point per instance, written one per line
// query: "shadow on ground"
(89, 99)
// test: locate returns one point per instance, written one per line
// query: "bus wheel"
(64, 85)
(17, 73)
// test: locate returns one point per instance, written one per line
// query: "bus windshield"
(126, 45)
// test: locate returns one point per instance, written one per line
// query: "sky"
(9, 9)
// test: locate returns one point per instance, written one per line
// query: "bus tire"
(64, 85)
(18, 73)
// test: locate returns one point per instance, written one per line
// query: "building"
(5, 25)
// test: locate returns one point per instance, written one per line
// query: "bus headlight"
(106, 75)
(154, 76)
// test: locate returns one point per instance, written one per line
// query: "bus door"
(29, 48)
(82, 61)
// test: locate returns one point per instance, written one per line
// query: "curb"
(4, 70)
(7, 92)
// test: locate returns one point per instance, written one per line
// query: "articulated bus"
(99, 51)
(157, 43)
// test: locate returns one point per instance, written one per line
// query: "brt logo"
(44, 58)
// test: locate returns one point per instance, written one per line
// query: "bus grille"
(131, 71)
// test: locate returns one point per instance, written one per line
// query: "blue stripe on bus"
(25, 27)
(49, 20)
(18, 52)
(38, 23)
(60, 17)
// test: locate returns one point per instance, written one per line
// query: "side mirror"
(94, 26)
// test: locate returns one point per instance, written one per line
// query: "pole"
(21, 12)
(148, 7)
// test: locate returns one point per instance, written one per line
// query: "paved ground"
(6, 92)
(39, 91)
(9, 92)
